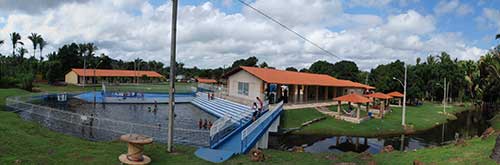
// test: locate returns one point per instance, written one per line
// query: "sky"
(215, 33)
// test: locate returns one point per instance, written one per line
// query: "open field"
(29, 143)
(421, 118)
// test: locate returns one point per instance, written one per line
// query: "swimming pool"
(104, 122)
(133, 97)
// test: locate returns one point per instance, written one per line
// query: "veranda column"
(338, 107)
(302, 93)
(357, 112)
(334, 92)
(317, 93)
(326, 93)
(306, 92)
(295, 93)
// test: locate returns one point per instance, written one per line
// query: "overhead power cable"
(288, 28)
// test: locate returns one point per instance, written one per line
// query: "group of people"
(204, 124)
(257, 110)
(211, 96)
(127, 94)
(155, 107)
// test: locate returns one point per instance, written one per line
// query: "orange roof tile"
(353, 98)
(298, 78)
(206, 81)
(395, 94)
(114, 73)
(379, 95)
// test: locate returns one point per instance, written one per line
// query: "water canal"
(468, 124)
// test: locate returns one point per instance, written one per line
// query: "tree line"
(468, 80)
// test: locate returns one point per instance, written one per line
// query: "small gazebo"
(380, 109)
(351, 98)
(397, 94)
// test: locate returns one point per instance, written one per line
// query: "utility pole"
(404, 98)
(171, 102)
(84, 70)
(444, 96)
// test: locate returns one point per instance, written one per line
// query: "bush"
(26, 81)
(8, 82)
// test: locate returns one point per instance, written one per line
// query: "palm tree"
(35, 39)
(22, 51)
(41, 44)
(91, 48)
(493, 69)
(16, 39)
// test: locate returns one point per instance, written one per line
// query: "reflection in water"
(468, 124)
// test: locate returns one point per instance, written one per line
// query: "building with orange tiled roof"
(205, 84)
(97, 76)
(295, 87)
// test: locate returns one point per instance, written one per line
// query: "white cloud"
(209, 37)
(491, 17)
(453, 6)
(411, 22)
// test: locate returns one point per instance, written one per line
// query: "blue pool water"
(116, 97)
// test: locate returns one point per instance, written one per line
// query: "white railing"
(220, 124)
(252, 127)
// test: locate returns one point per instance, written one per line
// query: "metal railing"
(250, 133)
(221, 128)
(108, 129)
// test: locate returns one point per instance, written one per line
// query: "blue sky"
(217, 32)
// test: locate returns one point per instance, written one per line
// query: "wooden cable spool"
(135, 154)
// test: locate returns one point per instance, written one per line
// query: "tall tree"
(291, 69)
(15, 38)
(35, 40)
(22, 51)
(491, 66)
(41, 44)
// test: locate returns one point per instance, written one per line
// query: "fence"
(100, 128)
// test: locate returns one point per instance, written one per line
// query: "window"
(243, 88)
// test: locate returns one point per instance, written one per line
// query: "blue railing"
(250, 134)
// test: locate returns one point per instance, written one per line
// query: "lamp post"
(95, 79)
(404, 96)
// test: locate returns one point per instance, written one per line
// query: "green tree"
(15, 38)
(263, 65)
(346, 70)
(41, 44)
(251, 61)
(291, 69)
(322, 67)
(35, 39)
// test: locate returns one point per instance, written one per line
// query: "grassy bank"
(421, 118)
(29, 143)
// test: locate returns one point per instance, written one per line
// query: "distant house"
(79, 76)
(296, 87)
(206, 84)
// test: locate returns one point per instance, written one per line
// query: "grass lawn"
(422, 118)
(180, 87)
(27, 142)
